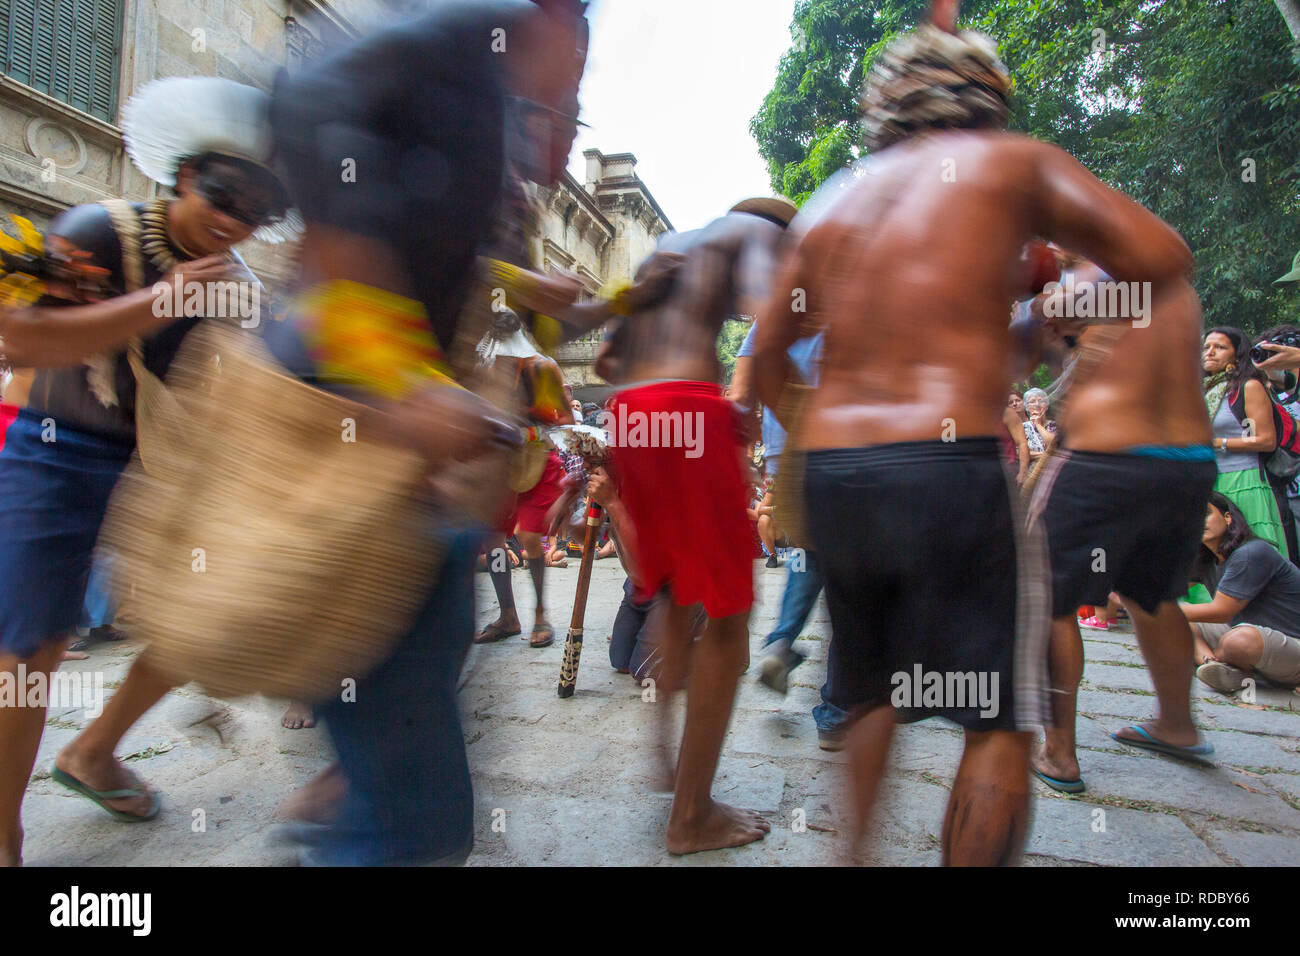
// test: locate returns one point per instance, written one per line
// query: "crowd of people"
(957, 536)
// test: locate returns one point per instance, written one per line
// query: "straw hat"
(776, 208)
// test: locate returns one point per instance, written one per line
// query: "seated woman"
(1248, 628)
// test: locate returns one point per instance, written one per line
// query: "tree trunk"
(1290, 11)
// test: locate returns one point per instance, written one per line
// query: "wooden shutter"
(69, 49)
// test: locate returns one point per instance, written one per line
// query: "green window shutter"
(105, 58)
(69, 49)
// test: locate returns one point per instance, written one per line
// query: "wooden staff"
(573, 642)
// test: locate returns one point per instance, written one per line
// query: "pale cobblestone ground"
(573, 776)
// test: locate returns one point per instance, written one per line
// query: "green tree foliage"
(730, 338)
(1190, 106)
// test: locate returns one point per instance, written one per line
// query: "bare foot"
(298, 716)
(75, 656)
(319, 800)
(720, 826)
(1055, 767)
(105, 772)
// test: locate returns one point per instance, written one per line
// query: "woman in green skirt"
(1242, 415)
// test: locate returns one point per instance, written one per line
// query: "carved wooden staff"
(573, 642)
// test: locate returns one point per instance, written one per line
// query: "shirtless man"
(913, 271)
(1133, 480)
(686, 497)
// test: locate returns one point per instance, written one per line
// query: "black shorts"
(931, 609)
(1125, 523)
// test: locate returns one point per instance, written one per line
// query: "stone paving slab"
(1218, 792)
(1111, 651)
(1084, 832)
(577, 779)
(1258, 849)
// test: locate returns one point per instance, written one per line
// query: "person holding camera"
(1282, 468)
(1241, 413)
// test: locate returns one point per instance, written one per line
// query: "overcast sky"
(676, 82)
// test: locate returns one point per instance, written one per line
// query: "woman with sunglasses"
(62, 452)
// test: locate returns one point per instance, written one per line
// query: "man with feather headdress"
(82, 310)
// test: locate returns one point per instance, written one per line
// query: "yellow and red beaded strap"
(371, 339)
(546, 330)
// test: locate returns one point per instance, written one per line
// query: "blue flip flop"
(1064, 786)
(1197, 753)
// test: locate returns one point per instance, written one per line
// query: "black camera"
(1291, 337)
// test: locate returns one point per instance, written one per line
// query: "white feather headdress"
(171, 119)
(505, 339)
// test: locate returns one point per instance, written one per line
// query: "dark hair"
(1245, 368)
(1238, 533)
(1270, 334)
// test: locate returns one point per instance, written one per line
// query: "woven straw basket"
(257, 550)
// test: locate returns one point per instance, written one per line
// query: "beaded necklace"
(155, 239)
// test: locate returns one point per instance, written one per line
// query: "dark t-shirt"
(1269, 584)
(64, 393)
(400, 137)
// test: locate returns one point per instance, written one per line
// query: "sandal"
(494, 632)
(102, 797)
(1199, 753)
(547, 640)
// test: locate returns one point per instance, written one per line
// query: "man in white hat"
(61, 454)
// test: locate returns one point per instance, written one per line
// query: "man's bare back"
(726, 271)
(914, 270)
(1147, 391)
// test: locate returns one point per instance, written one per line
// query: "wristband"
(616, 293)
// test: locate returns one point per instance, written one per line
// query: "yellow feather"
(30, 235)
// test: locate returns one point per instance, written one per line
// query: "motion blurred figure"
(419, 112)
(914, 271)
(685, 493)
(1130, 487)
(200, 136)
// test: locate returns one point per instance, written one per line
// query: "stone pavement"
(570, 781)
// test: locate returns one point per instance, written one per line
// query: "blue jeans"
(98, 609)
(801, 590)
(400, 743)
(827, 716)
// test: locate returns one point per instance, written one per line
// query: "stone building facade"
(601, 229)
(64, 78)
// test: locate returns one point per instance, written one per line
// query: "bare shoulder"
(1253, 389)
